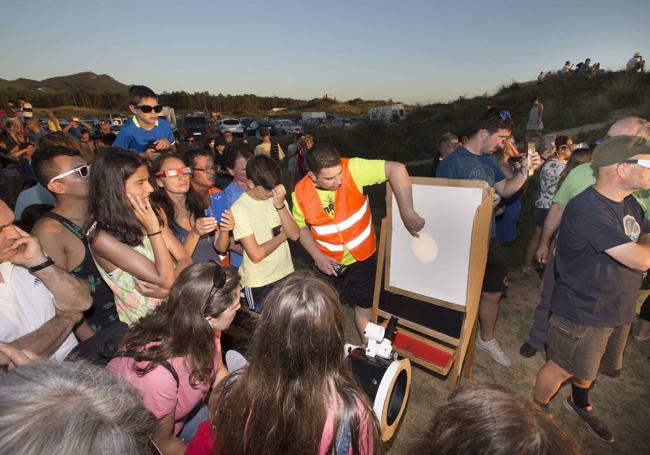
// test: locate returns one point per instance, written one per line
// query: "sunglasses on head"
(505, 115)
(642, 163)
(174, 172)
(218, 281)
(146, 108)
(82, 170)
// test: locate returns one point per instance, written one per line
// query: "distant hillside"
(82, 82)
(569, 101)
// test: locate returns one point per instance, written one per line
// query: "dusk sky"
(412, 51)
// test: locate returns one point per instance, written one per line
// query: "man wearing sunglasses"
(474, 161)
(603, 249)
(145, 126)
(65, 174)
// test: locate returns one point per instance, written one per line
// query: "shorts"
(496, 270)
(539, 216)
(255, 297)
(356, 287)
(582, 350)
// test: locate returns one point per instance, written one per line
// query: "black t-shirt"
(591, 287)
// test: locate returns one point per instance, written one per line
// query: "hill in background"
(80, 82)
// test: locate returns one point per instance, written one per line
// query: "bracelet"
(48, 262)
(155, 233)
(283, 207)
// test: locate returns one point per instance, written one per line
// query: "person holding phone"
(136, 255)
(182, 210)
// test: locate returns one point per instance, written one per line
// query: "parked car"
(230, 125)
(195, 126)
(284, 126)
(342, 122)
(254, 128)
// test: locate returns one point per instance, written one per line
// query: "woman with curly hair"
(173, 355)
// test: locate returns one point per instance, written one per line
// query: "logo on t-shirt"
(632, 228)
(482, 172)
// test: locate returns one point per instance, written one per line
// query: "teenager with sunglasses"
(136, 254)
(60, 168)
(202, 236)
(173, 355)
(475, 161)
(297, 395)
(145, 126)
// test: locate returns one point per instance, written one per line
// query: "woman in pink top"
(172, 356)
(297, 396)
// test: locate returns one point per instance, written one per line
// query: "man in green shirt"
(578, 180)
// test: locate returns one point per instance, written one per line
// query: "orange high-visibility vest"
(351, 228)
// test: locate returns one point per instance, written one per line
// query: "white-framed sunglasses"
(642, 163)
(83, 172)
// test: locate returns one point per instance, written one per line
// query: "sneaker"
(597, 426)
(492, 347)
(526, 350)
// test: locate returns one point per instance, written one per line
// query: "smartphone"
(276, 230)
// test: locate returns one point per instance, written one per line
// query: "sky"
(410, 51)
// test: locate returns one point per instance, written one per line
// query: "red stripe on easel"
(421, 349)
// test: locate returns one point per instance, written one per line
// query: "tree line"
(184, 101)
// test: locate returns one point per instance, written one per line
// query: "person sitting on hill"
(636, 64)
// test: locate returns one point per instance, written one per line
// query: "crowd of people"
(636, 64)
(121, 268)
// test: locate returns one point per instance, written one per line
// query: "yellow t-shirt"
(265, 149)
(364, 173)
(258, 218)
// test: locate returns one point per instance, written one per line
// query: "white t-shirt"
(25, 305)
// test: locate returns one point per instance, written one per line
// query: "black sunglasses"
(146, 108)
(218, 281)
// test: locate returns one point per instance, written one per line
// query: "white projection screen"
(436, 265)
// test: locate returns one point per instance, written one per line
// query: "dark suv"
(194, 125)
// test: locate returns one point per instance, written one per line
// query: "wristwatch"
(48, 262)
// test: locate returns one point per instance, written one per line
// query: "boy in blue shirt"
(145, 126)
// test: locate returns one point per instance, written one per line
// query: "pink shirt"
(158, 387)
(203, 441)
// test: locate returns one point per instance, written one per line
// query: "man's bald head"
(628, 126)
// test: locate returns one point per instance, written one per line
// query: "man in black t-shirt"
(602, 251)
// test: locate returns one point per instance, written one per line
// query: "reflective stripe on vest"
(343, 225)
(351, 244)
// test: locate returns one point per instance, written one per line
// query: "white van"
(391, 113)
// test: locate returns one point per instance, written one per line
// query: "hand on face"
(25, 250)
(279, 195)
(144, 213)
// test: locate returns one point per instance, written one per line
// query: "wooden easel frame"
(462, 358)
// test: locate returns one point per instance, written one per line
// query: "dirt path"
(623, 402)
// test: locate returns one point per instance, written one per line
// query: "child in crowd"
(183, 210)
(263, 224)
(145, 126)
(297, 395)
(134, 253)
(173, 355)
(235, 160)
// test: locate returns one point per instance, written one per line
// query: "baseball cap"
(618, 149)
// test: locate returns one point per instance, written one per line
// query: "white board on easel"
(436, 265)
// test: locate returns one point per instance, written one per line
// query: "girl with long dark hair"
(173, 355)
(182, 209)
(136, 256)
(297, 395)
